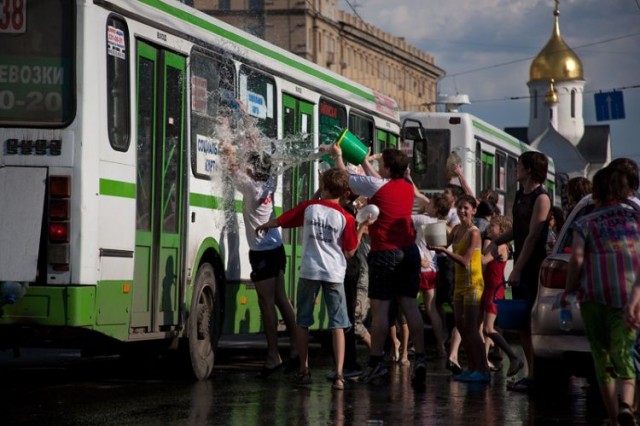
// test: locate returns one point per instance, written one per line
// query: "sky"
(486, 48)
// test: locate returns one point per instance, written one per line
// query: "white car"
(559, 354)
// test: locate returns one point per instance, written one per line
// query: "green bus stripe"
(510, 140)
(208, 26)
(116, 188)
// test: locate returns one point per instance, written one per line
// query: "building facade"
(319, 32)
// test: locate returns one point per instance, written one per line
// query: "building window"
(535, 104)
(573, 103)
(255, 5)
(224, 4)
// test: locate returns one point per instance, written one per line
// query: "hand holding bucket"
(353, 150)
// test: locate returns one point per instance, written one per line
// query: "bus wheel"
(204, 323)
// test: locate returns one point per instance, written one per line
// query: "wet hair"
(577, 188)
(504, 223)
(260, 164)
(466, 198)
(485, 208)
(629, 168)
(440, 205)
(610, 185)
(456, 190)
(396, 161)
(489, 195)
(335, 182)
(537, 164)
(558, 214)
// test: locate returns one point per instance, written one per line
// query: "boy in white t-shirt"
(329, 234)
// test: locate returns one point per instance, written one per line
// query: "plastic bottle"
(566, 319)
(11, 292)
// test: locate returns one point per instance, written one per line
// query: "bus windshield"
(430, 158)
(36, 62)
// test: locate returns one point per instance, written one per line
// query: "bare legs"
(271, 294)
(380, 323)
(467, 323)
(429, 297)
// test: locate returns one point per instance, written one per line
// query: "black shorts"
(446, 277)
(267, 263)
(394, 273)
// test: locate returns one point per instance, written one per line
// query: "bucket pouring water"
(353, 150)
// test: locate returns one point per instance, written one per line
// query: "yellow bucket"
(353, 150)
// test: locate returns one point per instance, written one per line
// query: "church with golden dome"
(556, 124)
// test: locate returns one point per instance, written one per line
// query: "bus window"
(433, 151)
(501, 170)
(38, 45)
(385, 140)
(257, 94)
(487, 171)
(333, 119)
(512, 185)
(212, 90)
(118, 121)
(363, 128)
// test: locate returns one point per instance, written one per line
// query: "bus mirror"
(412, 133)
(420, 156)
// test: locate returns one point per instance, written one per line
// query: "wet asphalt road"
(57, 387)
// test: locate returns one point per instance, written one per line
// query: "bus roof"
(184, 18)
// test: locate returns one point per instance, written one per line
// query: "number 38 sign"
(13, 16)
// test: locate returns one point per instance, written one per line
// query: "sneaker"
(478, 377)
(373, 373)
(302, 378)
(419, 374)
(462, 377)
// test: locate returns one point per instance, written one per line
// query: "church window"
(573, 103)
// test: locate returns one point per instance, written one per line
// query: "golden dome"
(556, 60)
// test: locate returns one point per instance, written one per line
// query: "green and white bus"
(110, 218)
(487, 154)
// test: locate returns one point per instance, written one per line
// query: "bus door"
(160, 188)
(297, 182)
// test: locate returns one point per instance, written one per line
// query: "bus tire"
(204, 323)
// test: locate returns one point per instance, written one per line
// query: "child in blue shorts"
(329, 237)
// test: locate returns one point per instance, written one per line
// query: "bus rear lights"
(59, 209)
(59, 186)
(126, 288)
(454, 120)
(58, 254)
(59, 232)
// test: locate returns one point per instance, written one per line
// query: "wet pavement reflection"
(109, 391)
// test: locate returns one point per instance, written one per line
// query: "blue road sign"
(609, 106)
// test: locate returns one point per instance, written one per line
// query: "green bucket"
(353, 150)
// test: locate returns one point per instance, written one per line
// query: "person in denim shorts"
(329, 236)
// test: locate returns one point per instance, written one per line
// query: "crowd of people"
(380, 264)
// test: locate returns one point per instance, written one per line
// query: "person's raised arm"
(336, 153)
(457, 170)
(416, 192)
(367, 167)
